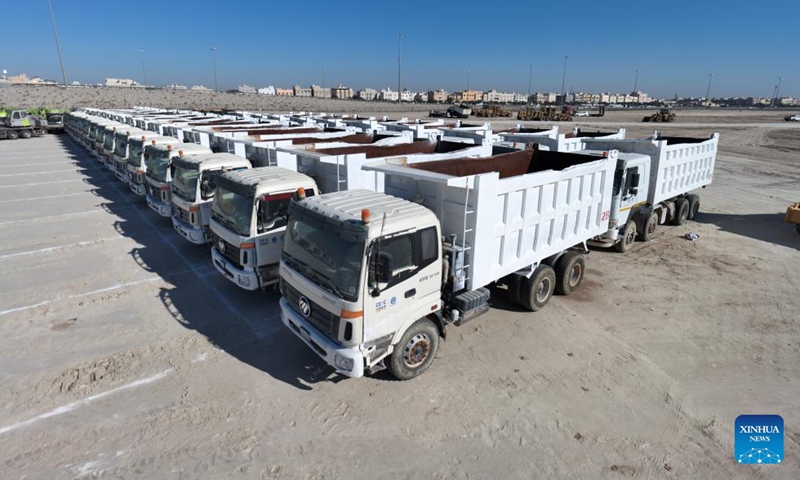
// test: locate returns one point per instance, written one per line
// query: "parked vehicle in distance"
(371, 280)
(792, 118)
(158, 175)
(19, 124)
(652, 184)
(194, 179)
(248, 221)
(582, 113)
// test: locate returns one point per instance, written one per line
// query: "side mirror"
(383, 268)
(206, 190)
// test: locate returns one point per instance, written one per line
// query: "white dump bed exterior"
(562, 143)
(677, 168)
(511, 224)
(335, 173)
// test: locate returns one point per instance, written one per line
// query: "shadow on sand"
(244, 324)
(767, 227)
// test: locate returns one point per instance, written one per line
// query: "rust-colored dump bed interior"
(509, 164)
(218, 122)
(358, 138)
(422, 146)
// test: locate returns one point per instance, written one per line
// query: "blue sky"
(675, 44)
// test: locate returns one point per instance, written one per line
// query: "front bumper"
(107, 158)
(246, 279)
(137, 188)
(321, 344)
(163, 209)
(196, 235)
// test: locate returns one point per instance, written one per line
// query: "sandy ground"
(126, 355)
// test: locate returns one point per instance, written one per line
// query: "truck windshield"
(108, 140)
(135, 152)
(184, 183)
(332, 261)
(232, 210)
(157, 164)
(120, 144)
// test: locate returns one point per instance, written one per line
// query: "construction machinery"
(492, 111)
(663, 115)
(19, 124)
(543, 114)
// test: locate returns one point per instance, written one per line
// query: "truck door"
(395, 297)
(632, 192)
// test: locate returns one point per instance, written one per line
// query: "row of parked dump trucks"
(382, 234)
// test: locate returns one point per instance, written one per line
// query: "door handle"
(411, 293)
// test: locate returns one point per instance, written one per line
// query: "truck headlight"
(244, 281)
(343, 363)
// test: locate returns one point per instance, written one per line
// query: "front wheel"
(25, 134)
(415, 351)
(12, 135)
(628, 237)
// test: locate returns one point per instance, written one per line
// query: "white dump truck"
(335, 169)
(99, 134)
(109, 143)
(371, 280)
(248, 220)
(119, 157)
(652, 184)
(136, 165)
(158, 174)
(561, 142)
(194, 179)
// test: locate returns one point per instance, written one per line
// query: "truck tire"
(649, 228)
(12, 135)
(25, 134)
(415, 351)
(570, 269)
(681, 211)
(536, 291)
(514, 284)
(628, 237)
(694, 205)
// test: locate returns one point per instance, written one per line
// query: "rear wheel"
(536, 291)
(649, 228)
(681, 211)
(415, 351)
(694, 205)
(514, 284)
(12, 135)
(25, 134)
(570, 269)
(628, 237)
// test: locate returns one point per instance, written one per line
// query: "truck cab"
(98, 136)
(248, 221)
(109, 137)
(136, 164)
(358, 268)
(630, 193)
(158, 175)
(119, 158)
(194, 180)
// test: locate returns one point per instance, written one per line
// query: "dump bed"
(513, 211)
(678, 164)
(338, 169)
(576, 140)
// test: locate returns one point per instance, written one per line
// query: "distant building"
(543, 97)
(245, 88)
(520, 98)
(437, 96)
(368, 94)
(493, 96)
(342, 93)
(270, 90)
(421, 97)
(319, 92)
(388, 95)
(200, 88)
(284, 92)
(121, 82)
(407, 96)
(301, 92)
(175, 86)
(467, 96)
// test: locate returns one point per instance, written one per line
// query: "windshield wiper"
(331, 286)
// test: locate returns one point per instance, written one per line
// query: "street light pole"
(636, 82)
(778, 91)
(144, 71)
(708, 90)
(58, 44)
(530, 79)
(563, 81)
(214, 64)
(399, 50)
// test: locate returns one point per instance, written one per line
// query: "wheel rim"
(417, 350)
(543, 291)
(651, 227)
(575, 275)
(630, 237)
(684, 213)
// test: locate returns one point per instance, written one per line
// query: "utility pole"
(636, 82)
(530, 79)
(399, 50)
(563, 80)
(708, 90)
(58, 44)
(144, 71)
(214, 64)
